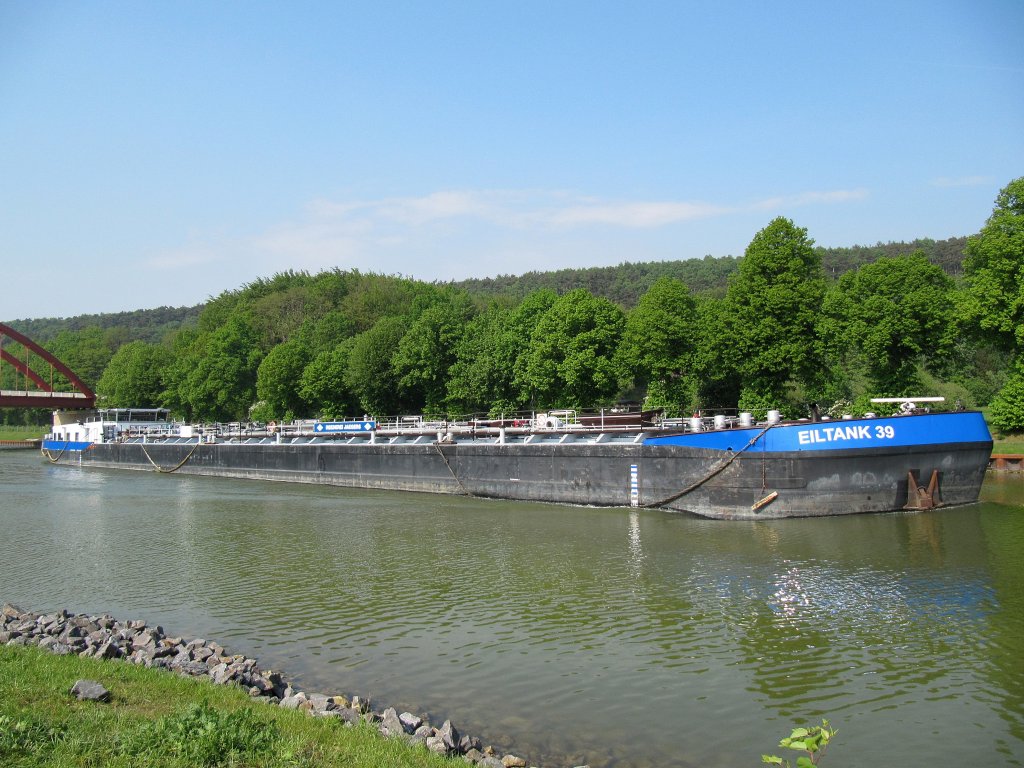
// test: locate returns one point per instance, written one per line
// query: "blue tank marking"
(65, 445)
(896, 431)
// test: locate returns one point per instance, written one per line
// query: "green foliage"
(428, 350)
(374, 297)
(993, 302)
(659, 344)
(86, 352)
(152, 325)
(887, 318)
(278, 380)
(204, 736)
(571, 361)
(771, 311)
(322, 385)
(682, 342)
(220, 371)
(161, 720)
(490, 368)
(370, 375)
(813, 741)
(135, 376)
(25, 735)
(1007, 411)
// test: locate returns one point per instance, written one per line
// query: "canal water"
(567, 635)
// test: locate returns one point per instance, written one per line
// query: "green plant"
(205, 736)
(813, 741)
(24, 736)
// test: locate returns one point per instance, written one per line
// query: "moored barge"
(718, 467)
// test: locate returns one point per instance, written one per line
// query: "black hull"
(704, 482)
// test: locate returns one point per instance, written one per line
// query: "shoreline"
(137, 642)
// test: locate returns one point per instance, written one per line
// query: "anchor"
(919, 497)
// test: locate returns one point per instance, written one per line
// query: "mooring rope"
(177, 466)
(445, 458)
(52, 460)
(714, 471)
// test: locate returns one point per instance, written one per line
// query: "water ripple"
(611, 637)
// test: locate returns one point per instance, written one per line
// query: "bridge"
(42, 394)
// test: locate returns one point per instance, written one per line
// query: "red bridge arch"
(44, 395)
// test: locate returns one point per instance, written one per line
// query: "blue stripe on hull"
(65, 445)
(897, 431)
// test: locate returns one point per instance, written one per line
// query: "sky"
(158, 154)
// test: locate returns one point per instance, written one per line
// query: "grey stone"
(321, 702)
(511, 761)
(192, 668)
(410, 721)
(90, 690)
(473, 756)
(11, 611)
(390, 724)
(221, 674)
(436, 744)
(294, 702)
(109, 650)
(449, 735)
(348, 716)
(490, 761)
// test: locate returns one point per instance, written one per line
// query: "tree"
(428, 350)
(370, 375)
(993, 302)
(659, 342)
(134, 376)
(718, 381)
(86, 352)
(1007, 411)
(489, 372)
(322, 385)
(221, 382)
(278, 380)
(771, 308)
(571, 361)
(892, 316)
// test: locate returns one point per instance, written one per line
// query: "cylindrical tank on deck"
(695, 424)
(774, 417)
(746, 419)
(719, 421)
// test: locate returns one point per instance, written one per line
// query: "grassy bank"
(1009, 444)
(159, 719)
(21, 433)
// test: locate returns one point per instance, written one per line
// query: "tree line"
(781, 331)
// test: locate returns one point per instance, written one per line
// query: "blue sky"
(160, 153)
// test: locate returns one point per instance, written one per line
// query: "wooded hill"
(786, 325)
(623, 284)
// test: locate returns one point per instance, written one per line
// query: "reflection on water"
(613, 637)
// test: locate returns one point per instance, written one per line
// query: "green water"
(568, 635)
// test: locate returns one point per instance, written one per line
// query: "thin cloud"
(446, 225)
(810, 198)
(945, 182)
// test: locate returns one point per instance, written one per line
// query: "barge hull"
(752, 485)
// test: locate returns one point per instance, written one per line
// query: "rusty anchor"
(919, 497)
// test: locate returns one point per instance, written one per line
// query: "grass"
(8, 432)
(1009, 444)
(157, 719)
